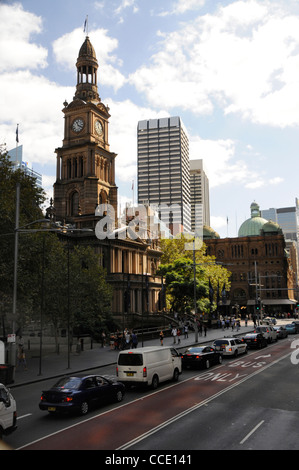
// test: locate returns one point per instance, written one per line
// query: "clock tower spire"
(87, 67)
(85, 175)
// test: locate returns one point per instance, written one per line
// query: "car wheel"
(176, 375)
(119, 396)
(207, 364)
(84, 408)
(155, 382)
(220, 359)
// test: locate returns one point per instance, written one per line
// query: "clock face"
(98, 127)
(78, 125)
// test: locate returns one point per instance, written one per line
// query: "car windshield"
(220, 342)
(68, 382)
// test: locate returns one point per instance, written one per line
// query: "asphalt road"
(246, 403)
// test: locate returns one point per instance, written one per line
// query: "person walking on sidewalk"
(179, 335)
(161, 337)
(174, 334)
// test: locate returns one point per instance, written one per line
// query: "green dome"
(253, 226)
(209, 233)
(271, 227)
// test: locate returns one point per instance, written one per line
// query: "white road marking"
(251, 432)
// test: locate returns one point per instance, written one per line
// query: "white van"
(8, 412)
(148, 366)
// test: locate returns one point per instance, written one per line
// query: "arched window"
(74, 206)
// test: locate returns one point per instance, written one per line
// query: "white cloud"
(127, 4)
(182, 6)
(16, 50)
(243, 58)
(220, 163)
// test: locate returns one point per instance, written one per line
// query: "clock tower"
(85, 174)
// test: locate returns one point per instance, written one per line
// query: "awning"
(273, 302)
(278, 302)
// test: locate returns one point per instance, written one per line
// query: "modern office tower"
(286, 218)
(163, 170)
(199, 194)
(16, 157)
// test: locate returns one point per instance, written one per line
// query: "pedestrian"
(112, 341)
(134, 340)
(200, 329)
(186, 331)
(127, 337)
(22, 357)
(246, 320)
(161, 337)
(174, 334)
(179, 335)
(205, 329)
(103, 339)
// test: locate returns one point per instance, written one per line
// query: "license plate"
(130, 374)
(51, 408)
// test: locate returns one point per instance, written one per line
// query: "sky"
(229, 69)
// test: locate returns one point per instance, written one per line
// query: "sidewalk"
(54, 365)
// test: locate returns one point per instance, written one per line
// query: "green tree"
(177, 266)
(31, 198)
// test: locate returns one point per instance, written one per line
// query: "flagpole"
(133, 193)
(86, 25)
(17, 141)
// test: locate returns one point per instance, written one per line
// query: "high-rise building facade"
(163, 170)
(199, 196)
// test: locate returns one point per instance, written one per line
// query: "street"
(250, 402)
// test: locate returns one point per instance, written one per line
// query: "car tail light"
(117, 372)
(230, 349)
(67, 399)
(144, 372)
(198, 357)
(42, 398)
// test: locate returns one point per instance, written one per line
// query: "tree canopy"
(57, 279)
(179, 263)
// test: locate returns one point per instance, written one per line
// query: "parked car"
(230, 346)
(267, 331)
(291, 328)
(296, 323)
(201, 356)
(281, 331)
(80, 393)
(8, 412)
(255, 340)
(269, 321)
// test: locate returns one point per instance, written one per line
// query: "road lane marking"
(166, 423)
(129, 444)
(24, 416)
(251, 432)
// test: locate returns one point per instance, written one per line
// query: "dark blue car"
(80, 393)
